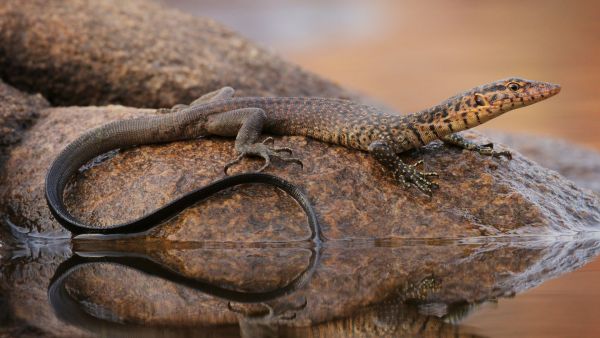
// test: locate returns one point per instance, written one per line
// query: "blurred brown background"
(412, 54)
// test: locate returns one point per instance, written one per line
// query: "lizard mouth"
(544, 93)
(553, 90)
(529, 98)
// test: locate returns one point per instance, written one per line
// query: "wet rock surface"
(577, 163)
(25, 272)
(137, 53)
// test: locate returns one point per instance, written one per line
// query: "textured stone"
(137, 53)
(18, 111)
(577, 163)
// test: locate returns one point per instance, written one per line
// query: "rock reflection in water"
(363, 289)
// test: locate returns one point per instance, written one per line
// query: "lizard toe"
(505, 153)
(293, 160)
(421, 181)
(296, 160)
(416, 164)
(264, 166)
(282, 149)
(268, 140)
(232, 163)
(424, 188)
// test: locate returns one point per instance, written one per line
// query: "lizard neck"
(451, 116)
(435, 123)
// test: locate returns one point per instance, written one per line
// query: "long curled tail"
(174, 207)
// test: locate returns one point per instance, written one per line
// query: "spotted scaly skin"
(335, 121)
(366, 128)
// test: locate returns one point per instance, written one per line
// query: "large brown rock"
(137, 53)
(18, 111)
(354, 198)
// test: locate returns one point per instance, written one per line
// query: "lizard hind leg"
(246, 125)
(219, 94)
(405, 174)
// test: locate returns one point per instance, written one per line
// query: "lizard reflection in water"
(335, 121)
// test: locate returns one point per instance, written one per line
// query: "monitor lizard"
(349, 124)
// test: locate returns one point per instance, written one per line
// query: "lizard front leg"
(484, 149)
(405, 174)
(246, 125)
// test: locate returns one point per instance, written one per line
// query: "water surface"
(469, 287)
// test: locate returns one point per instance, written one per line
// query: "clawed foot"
(264, 151)
(410, 176)
(488, 150)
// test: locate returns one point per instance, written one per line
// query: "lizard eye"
(513, 86)
(480, 100)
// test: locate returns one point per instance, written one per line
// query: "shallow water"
(469, 287)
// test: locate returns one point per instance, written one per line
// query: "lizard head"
(485, 102)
